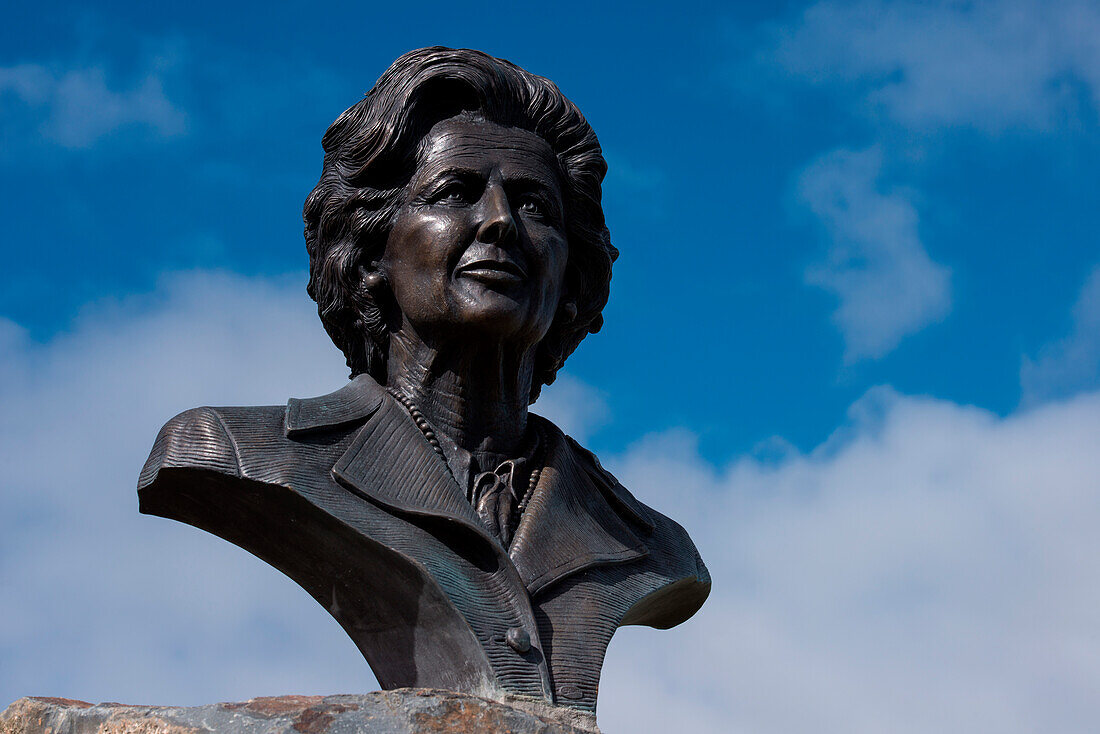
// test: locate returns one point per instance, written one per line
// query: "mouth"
(492, 271)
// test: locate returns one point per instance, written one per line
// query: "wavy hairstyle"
(370, 157)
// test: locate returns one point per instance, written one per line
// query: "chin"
(504, 312)
(498, 318)
(496, 322)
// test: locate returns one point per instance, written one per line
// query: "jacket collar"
(353, 402)
(574, 520)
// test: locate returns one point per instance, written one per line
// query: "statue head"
(374, 152)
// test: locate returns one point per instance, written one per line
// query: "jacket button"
(518, 639)
(570, 691)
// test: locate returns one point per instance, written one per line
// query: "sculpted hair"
(370, 156)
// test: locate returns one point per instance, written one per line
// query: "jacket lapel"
(390, 462)
(569, 524)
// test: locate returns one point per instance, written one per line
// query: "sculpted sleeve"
(674, 602)
(675, 571)
(195, 439)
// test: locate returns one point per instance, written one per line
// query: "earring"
(373, 280)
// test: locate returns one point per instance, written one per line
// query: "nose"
(497, 226)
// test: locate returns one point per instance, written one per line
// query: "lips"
(492, 270)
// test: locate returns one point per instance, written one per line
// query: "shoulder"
(259, 442)
(682, 579)
(210, 439)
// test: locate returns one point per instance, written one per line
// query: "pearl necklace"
(532, 482)
(420, 421)
(426, 428)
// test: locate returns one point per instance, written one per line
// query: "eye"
(532, 204)
(454, 192)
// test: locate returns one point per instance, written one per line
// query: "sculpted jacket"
(344, 494)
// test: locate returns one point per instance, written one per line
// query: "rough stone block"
(401, 711)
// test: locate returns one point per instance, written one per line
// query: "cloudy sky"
(853, 342)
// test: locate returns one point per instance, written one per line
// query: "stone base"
(401, 711)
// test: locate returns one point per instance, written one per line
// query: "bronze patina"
(458, 255)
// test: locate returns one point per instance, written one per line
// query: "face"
(478, 247)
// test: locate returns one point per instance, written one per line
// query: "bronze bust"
(458, 255)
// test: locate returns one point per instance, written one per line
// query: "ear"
(372, 279)
(374, 286)
(567, 301)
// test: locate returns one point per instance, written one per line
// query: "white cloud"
(876, 265)
(931, 568)
(1071, 364)
(993, 66)
(30, 82)
(108, 604)
(577, 408)
(80, 107)
(915, 70)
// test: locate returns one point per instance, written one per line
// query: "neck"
(475, 396)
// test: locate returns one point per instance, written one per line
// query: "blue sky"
(854, 337)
